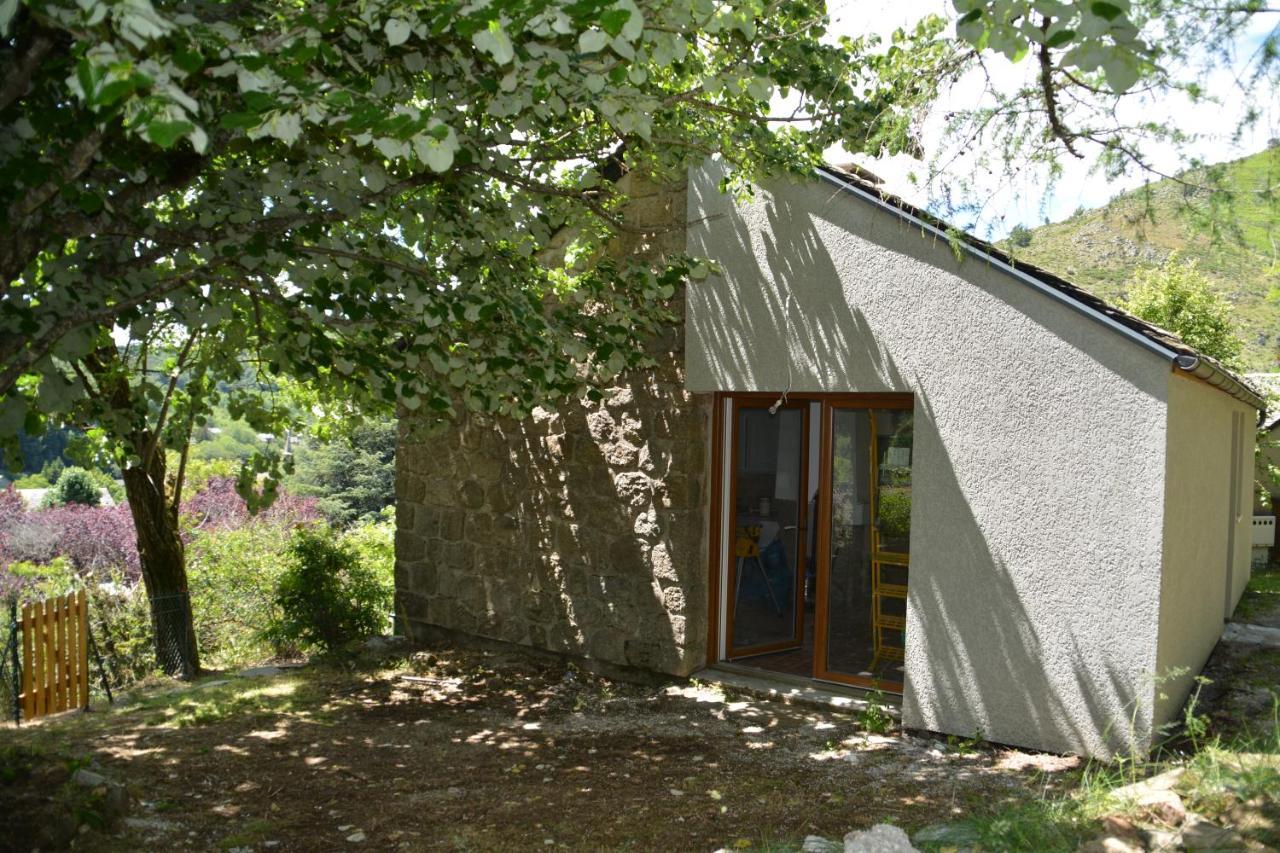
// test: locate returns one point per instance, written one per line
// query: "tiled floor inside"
(797, 661)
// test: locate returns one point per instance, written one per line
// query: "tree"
(75, 486)
(1088, 70)
(353, 477)
(362, 195)
(1177, 296)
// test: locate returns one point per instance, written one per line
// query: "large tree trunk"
(164, 567)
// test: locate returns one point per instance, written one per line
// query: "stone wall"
(582, 531)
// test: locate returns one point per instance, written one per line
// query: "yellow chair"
(747, 547)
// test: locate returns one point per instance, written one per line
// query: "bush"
(96, 539)
(374, 543)
(74, 486)
(218, 505)
(327, 596)
(1180, 298)
(32, 481)
(232, 574)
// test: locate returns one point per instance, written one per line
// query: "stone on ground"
(818, 844)
(1200, 834)
(959, 834)
(1109, 844)
(881, 838)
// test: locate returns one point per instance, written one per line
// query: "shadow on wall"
(579, 532)
(981, 656)
(811, 338)
(978, 660)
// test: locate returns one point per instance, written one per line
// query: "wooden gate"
(55, 655)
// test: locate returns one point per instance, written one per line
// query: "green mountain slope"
(1099, 249)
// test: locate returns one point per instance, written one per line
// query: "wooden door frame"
(866, 403)
(717, 548)
(763, 402)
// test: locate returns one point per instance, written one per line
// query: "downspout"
(1202, 368)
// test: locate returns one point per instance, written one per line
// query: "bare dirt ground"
(495, 751)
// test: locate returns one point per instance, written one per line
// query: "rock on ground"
(881, 838)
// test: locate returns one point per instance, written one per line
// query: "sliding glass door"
(864, 534)
(815, 535)
(766, 526)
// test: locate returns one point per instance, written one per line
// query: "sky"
(1025, 201)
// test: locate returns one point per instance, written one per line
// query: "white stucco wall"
(1039, 452)
(1206, 568)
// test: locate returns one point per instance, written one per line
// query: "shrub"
(74, 486)
(327, 597)
(1020, 236)
(218, 505)
(1180, 298)
(53, 469)
(894, 512)
(232, 574)
(374, 542)
(32, 481)
(97, 540)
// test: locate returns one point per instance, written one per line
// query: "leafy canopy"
(366, 194)
(1178, 297)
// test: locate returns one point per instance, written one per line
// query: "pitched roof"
(1186, 358)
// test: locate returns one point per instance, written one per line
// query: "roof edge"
(1181, 356)
(1203, 367)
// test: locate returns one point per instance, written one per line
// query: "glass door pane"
(867, 544)
(766, 534)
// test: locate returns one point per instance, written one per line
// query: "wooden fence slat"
(73, 653)
(28, 646)
(49, 637)
(70, 654)
(55, 655)
(37, 668)
(83, 647)
(59, 654)
(68, 651)
(68, 661)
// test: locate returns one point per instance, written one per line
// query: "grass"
(1261, 597)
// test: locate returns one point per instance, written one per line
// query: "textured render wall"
(580, 532)
(1201, 580)
(1039, 453)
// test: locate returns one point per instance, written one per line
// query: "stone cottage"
(877, 454)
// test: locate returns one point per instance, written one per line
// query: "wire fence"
(175, 639)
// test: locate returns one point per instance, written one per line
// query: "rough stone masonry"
(579, 531)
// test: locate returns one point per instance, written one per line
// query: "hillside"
(1099, 249)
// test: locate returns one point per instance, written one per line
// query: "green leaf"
(8, 8)
(592, 41)
(494, 41)
(90, 203)
(1102, 9)
(188, 60)
(397, 31)
(166, 133)
(1060, 38)
(240, 121)
(613, 21)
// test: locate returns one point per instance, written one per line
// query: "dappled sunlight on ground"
(471, 750)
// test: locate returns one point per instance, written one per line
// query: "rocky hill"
(1101, 248)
